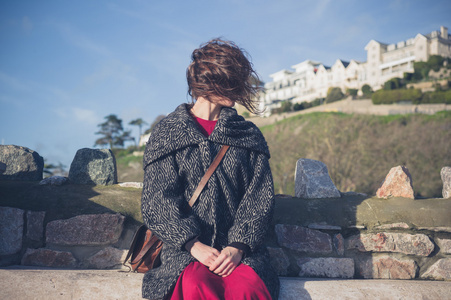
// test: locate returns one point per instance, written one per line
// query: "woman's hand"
(203, 253)
(227, 261)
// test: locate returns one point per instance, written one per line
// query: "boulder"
(414, 244)
(48, 258)
(303, 239)
(93, 167)
(20, 163)
(85, 230)
(279, 261)
(11, 230)
(445, 173)
(441, 270)
(312, 180)
(329, 267)
(397, 183)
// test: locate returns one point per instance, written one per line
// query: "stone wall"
(319, 233)
(361, 237)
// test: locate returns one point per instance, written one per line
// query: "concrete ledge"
(34, 283)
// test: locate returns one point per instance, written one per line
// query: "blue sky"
(65, 65)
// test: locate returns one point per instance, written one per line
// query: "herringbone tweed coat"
(236, 205)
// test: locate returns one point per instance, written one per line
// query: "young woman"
(213, 250)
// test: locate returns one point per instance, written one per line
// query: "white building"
(311, 79)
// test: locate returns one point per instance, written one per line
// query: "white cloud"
(85, 115)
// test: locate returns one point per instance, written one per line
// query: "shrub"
(351, 92)
(334, 94)
(393, 96)
(367, 90)
(437, 97)
(393, 84)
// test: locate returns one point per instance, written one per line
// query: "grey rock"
(441, 270)
(303, 239)
(35, 225)
(312, 180)
(107, 258)
(86, 230)
(11, 230)
(445, 173)
(54, 180)
(93, 167)
(20, 163)
(415, 244)
(329, 267)
(48, 258)
(279, 260)
(445, 245)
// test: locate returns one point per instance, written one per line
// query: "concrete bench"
(39, 283)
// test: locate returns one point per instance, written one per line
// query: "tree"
(367, 90)
(393, 84)
(113, 134)
(138, 122)
(334, 94)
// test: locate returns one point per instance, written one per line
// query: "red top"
(206, 126)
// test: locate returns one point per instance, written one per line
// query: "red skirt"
(198, 282)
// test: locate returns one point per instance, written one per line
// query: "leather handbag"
(144, 252)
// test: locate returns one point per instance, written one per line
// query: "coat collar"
(179, 130)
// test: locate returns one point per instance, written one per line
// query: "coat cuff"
(240, 246)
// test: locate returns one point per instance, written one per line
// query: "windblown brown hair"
(221, 68)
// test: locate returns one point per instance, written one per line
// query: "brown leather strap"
(208, 174)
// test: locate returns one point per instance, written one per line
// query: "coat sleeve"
(255, 210)
(163, 205)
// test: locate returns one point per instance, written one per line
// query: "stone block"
(445, 173)
(35, 225)
(48, 258)
(93, 167)
(339, 244)
(441, 270)
(21, 163)
(86, 230)
(107, 258)
(415, 244)
(398, 183)
(303, 239)
(312, 180)
(11, 230)
(279, 261)
(445, 245)
(329, 267)
(386, 267)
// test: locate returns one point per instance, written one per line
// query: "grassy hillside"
(359, 150)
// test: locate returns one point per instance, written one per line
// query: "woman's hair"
(221, 68)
